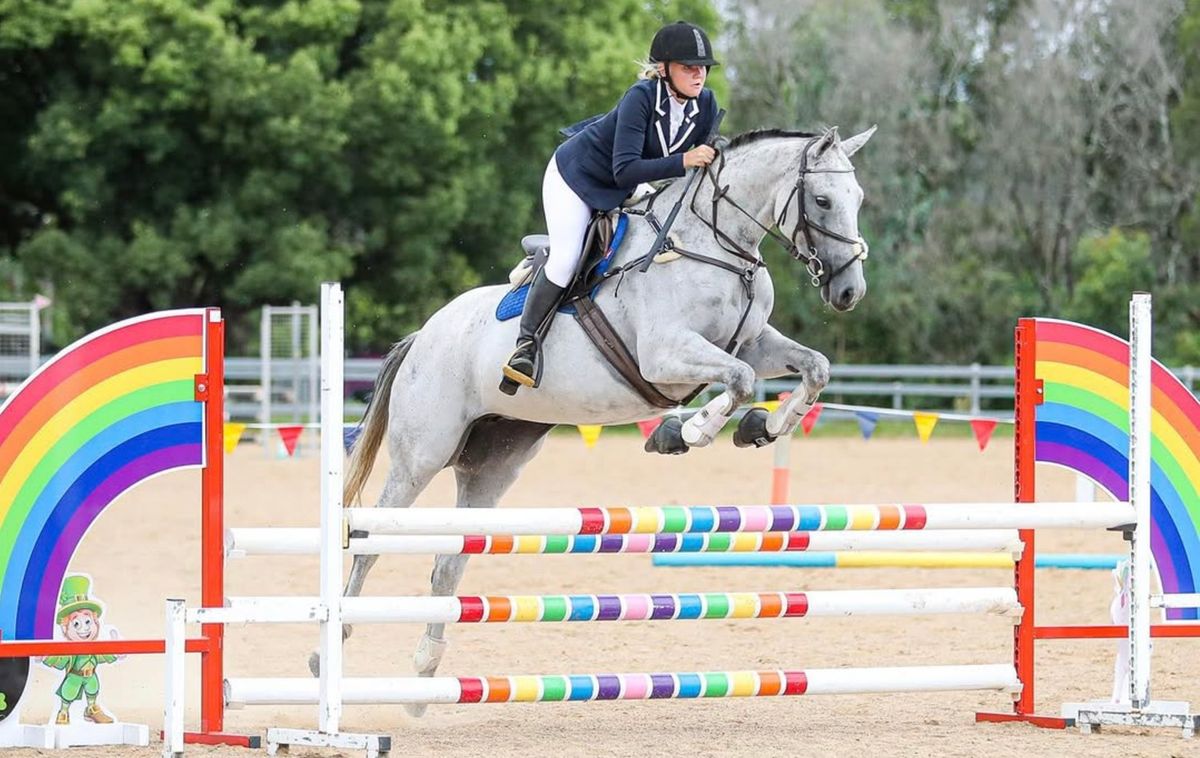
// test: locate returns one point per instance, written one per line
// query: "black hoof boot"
(667, 439)
(752, 429)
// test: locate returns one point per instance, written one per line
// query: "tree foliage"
(170, 152)
(1030, 153)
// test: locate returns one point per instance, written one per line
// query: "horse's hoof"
(416, 710)
(752, 429)
(314, 664)
(667, 439)
(428, 655)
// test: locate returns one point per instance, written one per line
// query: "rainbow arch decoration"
(1083, 424)
(114, 409)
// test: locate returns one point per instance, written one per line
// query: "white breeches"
(567, 218)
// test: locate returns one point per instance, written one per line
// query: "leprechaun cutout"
(78, 618)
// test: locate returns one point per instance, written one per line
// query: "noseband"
(807, 254)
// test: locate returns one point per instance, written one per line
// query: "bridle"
(809, 255)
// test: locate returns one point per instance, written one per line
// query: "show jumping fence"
(779, 528)
(1084, 400)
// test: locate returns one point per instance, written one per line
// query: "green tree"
(1111, 265)
(165, 153)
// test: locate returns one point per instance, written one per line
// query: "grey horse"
(437, 401)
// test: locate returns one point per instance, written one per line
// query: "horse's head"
(818, 211)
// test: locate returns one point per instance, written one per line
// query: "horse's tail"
(374, 423)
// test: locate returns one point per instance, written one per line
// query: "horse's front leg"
(691, 359)
(771, 355)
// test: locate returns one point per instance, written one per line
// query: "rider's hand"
(700, 155)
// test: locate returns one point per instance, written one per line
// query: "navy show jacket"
(608, 156)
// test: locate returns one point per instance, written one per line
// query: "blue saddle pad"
(513, 301)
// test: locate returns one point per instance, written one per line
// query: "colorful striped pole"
(889, 559)
(472, 609)
(733, 518)
(305, 541)
(657, 686)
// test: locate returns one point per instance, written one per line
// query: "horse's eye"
(822, 202)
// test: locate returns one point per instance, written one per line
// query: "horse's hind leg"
(408, 476)
(495, 452)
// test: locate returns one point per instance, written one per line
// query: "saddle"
(598, 239)
(603, 237)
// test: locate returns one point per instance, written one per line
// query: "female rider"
(655, 132)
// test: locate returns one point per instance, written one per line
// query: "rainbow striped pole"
(474, 609)
(942, 559)
(242, 542)
(657, 686)
(733, 518)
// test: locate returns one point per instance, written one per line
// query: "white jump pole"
(175, 672)
(1139, 496)
(332, 416)
(329, 688)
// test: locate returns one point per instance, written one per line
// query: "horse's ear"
(828, 140)
(852, 145)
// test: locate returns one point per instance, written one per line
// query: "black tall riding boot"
(541, 299)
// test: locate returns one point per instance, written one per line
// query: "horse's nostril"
(846, 297)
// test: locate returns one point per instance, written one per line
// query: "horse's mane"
(756, 135)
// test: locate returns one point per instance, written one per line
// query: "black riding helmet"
(684, 43)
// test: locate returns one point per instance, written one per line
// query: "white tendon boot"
(702, 428)
(788, 415)
(425, 661)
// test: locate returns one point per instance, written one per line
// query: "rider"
(655, 132)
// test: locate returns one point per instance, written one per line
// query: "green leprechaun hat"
(74, 596)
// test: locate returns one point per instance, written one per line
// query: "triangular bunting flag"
(810, 419)
(590, 433)
(925, 423)
(983, 428)
(770, 406)
(350, 436)
(290, 436)
(866, 423)
(233, 435)
(648, 426)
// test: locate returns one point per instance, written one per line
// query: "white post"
(296, 319)
(264, 376)
(332, 400)
(1085, 489)
(35, 339)
(314, 363)
(176, 635)
(1139, 497)
(976, 383)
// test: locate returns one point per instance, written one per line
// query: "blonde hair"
(647, 69)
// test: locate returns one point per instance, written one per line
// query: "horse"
(698, 319)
